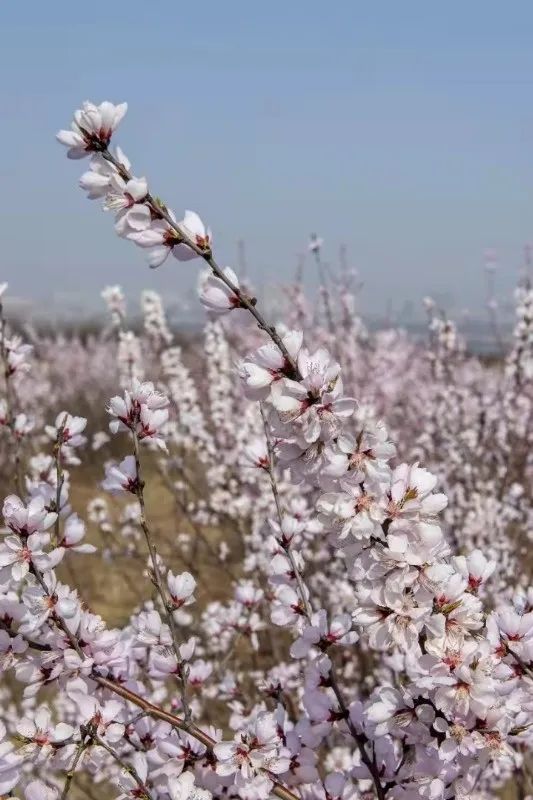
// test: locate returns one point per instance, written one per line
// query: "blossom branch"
(360, 739)
(249, 303)
(158, 579)
(176, 722)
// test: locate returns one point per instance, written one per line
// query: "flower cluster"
(316, 617)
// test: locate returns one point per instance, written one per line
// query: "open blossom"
(129, 782)
(355, 458)
(183, 788)
(315, 403)
(475, 567)
(98, 178)
(29, 519)
(248, 594)
(10, 648)
(383, 707)
(37, 790)
(73, 533)
(18, 555)
(102, 715)
(285, 531)
(127, 200)
(164, 663)
(125, 410)
(323, 634)
(161, 239)
(395, 621)
(256, 454)
(268, 364)
(259, 748)
(41, 735)
(67, 430)
(92, 128)
(355, 511)
(151, 630)
(121, 477)
(412, 494)
(142, 409)
(471, 690)
(54, 598)
(515, 627)
(17, 353)
(215, 295)
(195, 229)
(286, 606)
(22, 425)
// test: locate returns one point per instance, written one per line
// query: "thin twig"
(82, 746)
(158, 580)
(59, 475)
(128, 768)
(10, 401)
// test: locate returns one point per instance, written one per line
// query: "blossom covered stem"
(148, 708)
(60, 622)
(158, 209)
(360, 739)
(155, 712)
(275, 493)
(176, 722)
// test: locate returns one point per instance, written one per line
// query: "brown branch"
(176, 722)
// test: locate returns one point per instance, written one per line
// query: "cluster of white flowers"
(377, 639)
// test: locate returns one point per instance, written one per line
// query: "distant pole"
(343, 259)
(241, 258)
(528, 263)
(298, 278)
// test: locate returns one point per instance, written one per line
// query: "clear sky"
(404, 130)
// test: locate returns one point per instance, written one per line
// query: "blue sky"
(404, 130)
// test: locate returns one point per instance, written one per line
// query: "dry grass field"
(113, 586)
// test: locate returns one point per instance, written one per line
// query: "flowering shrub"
(378, 639)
